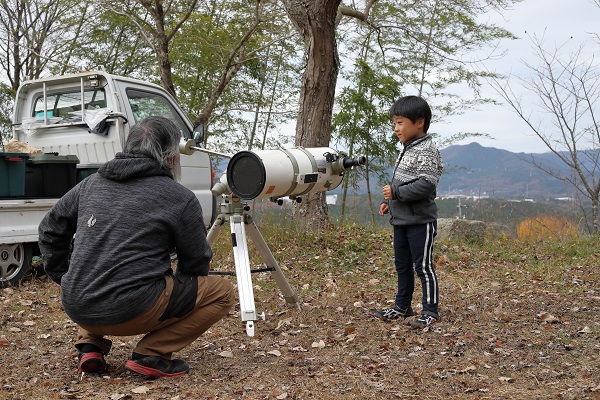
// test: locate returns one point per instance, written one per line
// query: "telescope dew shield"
(282, 172)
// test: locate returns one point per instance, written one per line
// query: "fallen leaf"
(505, 379)
(4, 342)
(284, 322)
(586, 329)
(320, 344)
(469, 368)
(117, 396)
(140, 390)
(28, 323)
(548, 318)
(226, 354)
(274, 353)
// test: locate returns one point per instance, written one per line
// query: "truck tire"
(15, 263)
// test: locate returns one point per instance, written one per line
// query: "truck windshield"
(144, 104)
(68, 105)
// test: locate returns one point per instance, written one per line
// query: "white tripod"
(234, 211)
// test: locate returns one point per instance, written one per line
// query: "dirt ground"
(508, 331)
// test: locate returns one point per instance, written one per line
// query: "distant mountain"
(474, 170)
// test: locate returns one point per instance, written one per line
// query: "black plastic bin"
(50, 175)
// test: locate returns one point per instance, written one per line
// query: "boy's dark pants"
(413, 246)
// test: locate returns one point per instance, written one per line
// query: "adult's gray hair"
(154, 137)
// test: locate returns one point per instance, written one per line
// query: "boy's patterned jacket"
(416, 176)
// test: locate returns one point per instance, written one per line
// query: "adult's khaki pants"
(162, 338)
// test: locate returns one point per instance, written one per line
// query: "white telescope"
(281, 173)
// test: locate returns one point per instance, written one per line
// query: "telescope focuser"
(341, 162)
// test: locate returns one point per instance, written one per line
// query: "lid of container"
(53, 159)
(13, 155)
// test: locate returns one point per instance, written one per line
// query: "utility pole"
(460, 207)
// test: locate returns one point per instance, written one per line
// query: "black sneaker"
(91, 362)
(425, 320)
(158, 367)
(394, 313)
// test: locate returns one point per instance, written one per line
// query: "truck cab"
(87, 115)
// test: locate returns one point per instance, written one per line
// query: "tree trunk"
(316, 22)
(166, 74)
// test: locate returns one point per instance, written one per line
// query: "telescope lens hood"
(246, 175)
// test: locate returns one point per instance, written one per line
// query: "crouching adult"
(126, 221)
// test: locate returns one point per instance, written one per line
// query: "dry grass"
(519, 322)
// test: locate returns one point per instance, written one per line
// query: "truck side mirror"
(198, 134)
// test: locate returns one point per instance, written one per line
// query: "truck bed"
(19, 219)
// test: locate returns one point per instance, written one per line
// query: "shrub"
(546, 227)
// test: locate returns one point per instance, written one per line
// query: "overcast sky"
(557, 21)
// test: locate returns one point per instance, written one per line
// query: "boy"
(410, 201)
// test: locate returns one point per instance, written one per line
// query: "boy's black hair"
(413, 108)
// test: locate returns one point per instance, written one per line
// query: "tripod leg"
(277, 274)
(213, 233)
(242, 272)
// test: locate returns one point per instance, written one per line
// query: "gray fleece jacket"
(416, 175)
(128, 218)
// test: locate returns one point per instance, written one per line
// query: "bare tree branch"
(568, 91)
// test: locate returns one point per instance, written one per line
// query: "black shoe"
(394, 313)
(158, 367)
(425, 320)
(92, 362)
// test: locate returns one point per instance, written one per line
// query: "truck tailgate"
(19, 219)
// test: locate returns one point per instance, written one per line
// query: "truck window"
(144, 104)
(68, 105)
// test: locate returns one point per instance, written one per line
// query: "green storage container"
(12, 174)
(50, 175)
(83, 173)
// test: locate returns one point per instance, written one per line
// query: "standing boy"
(410, 201)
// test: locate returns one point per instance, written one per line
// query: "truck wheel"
(15, 262)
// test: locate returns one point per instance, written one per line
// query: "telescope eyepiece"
(354, 162)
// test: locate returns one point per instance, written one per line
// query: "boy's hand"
(387, 192)
(383, 209)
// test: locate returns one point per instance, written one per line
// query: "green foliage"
(7, 96)
(362, 123)
(427, 48)
(259, 96)
(115, 44)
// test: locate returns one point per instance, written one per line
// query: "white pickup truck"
(87, 116)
